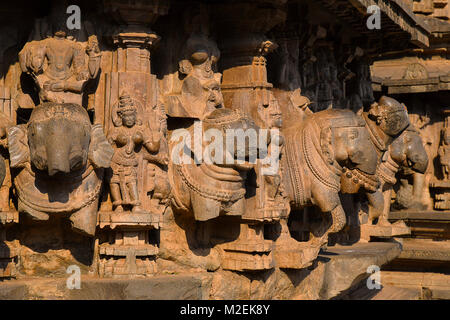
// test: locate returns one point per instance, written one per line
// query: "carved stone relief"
(110, 133)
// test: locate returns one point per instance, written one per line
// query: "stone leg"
(116, 197)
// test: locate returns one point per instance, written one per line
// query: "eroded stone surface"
(115, 156)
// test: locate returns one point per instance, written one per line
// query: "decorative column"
(131, 218)
(242, 26)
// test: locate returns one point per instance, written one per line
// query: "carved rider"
(385, 121)
(201, 83)
(128, 137)
(57, 65)
(444, 153)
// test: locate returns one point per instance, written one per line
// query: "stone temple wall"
(107, 130)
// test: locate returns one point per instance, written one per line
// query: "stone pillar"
(127, 245)
(244, 46)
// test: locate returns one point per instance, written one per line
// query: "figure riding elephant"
(60, 158)
(328, 153)
(406, 154)
(392, 135)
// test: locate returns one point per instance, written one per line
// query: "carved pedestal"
(442, 194)
(396, 229)
(8, 252)
(250, 251)
(131, 248)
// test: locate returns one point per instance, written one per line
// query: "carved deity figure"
(386, 120)
(407, 155)
(273, 186)
(444, 153)
(417, 195)
(201, 83)
(128, 136)
(58, 66)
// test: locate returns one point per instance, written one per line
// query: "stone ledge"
(337, 269)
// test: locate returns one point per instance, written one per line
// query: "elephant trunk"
(58, 149)
(420, 163)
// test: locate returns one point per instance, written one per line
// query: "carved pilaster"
(138, 185)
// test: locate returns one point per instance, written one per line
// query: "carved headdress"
(387, 108)
(125, 105)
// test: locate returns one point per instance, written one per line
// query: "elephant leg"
(419, 183)
(383, 219)
(339, 219)
(328, 201)
(84, 220)
(376, 205)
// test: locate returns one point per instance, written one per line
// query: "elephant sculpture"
(59, 158)
(328, 153)
(406, 154)
(215, 186)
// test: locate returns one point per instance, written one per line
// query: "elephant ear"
(100, 150)
(19, 152)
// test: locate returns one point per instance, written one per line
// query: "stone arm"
(444, 154)
(78, 63)
(31, 58)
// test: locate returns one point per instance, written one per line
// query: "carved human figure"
(385, 120)
(201, 83)
(444, 153)
(127, 137)
(407, 155)
(417, 195)
(273, 186)
(58, 66)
